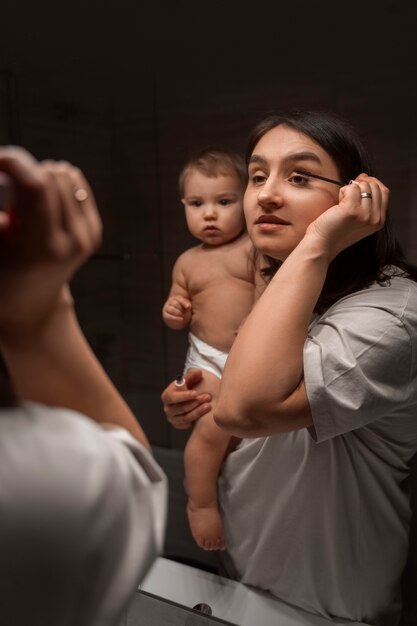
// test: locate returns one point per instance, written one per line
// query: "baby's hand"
(177, 312)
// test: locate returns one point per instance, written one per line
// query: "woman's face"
(279, 203)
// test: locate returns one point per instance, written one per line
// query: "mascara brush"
(327, 180)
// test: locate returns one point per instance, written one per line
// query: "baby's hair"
(214, 161)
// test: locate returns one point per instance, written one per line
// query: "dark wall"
(126, 91)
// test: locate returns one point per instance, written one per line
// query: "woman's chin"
(269, 246)
(273, 253)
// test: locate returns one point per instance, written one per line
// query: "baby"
(213, 290)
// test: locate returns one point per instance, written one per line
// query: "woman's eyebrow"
(294, 157)
(258, 159)
(303, 156)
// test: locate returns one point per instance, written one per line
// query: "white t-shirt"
(82, 516)
(320, 517)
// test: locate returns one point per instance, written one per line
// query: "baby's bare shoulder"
(246, 246)
(188, 257)
(238, 248)
(242, 246)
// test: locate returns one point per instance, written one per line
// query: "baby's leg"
(203, 457)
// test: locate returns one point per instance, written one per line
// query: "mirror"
(126, 96)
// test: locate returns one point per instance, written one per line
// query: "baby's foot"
(206, 527)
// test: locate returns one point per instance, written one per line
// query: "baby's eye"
(225, 201)
(196, 203)
(298, 179)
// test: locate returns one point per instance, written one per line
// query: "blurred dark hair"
(367, 260)
(7, 394)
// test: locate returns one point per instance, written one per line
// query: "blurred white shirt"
(82, 517)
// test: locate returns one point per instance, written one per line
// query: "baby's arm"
(177, 310)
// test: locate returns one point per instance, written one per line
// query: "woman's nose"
(270, 196)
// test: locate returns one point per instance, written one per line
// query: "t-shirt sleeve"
(358, 366)
(147, 475)
(86, 513)
(136, 499)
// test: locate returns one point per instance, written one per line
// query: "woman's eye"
(298, 179)
(257, 179)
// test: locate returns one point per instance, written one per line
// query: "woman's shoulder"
(44, 449)
(382, 310)
(50, 437)
(396, 295)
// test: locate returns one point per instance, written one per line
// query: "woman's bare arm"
(44, 239)
(262, 390)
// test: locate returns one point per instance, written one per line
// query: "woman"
(321, 380)
(82, 501)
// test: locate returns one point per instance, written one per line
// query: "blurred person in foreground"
(82, 501)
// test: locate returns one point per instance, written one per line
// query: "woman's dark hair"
(367, 260)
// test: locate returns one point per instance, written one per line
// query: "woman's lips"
(267, 223)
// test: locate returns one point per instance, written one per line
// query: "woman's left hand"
(361, 212)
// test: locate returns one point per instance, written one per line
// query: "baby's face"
(213, 207)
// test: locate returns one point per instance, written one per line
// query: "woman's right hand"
(183, 406)
(354, 218)
(47, 234)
